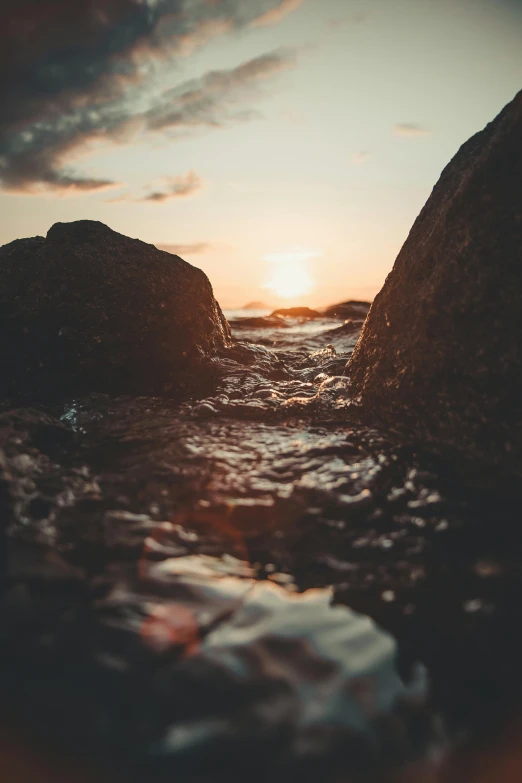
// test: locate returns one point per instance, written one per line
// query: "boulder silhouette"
(297, 312)
(440, 353)
(88, 309)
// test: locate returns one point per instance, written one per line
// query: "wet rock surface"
(88, 309)
(441, 351)
(155, 612)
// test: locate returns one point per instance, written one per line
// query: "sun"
(290, 281)
(290, 278)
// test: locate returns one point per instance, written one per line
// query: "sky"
(283, 146)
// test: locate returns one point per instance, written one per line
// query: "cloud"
(360, 158)
(72, 75)
(176, 187)
(184, 186)
(277, 13)
(215, 99)
(196, 248)
(410, 129)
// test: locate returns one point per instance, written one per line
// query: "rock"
(441, 351)
(296, 312)
(347, 310)
(262, 322)
(6, 506)
(88, 309)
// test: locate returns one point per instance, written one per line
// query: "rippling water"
(142, 524)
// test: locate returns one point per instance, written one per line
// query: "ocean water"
(159, 606)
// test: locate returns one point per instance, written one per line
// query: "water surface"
(137, 541)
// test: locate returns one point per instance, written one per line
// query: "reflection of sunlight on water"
(337, 666)
(290, 277)
(311, 327)
(169, 626)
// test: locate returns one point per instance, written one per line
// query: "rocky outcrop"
(297, 312)
(441, 350)
(260, 322)
(88, 309)
(353, 309)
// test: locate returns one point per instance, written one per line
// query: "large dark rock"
(90, 309)
(6, 505)
(441, 350)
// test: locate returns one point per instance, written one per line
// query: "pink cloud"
(411, 130)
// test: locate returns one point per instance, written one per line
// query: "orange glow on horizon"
(291, 277)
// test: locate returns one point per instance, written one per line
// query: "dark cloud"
(410, 129)
(186, 250)
(69, 70)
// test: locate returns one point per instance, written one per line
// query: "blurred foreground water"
(158, 551)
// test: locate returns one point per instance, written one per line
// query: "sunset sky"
(284, 147)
